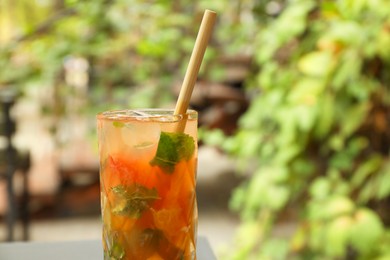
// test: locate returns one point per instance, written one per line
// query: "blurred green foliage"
(318, 128)
(137, 52)
(318, 123)
(136, 49)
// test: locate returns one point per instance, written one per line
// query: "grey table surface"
(74, 250)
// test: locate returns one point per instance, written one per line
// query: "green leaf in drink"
(172, 148)
(133, 199)
(117, 251)
(118, 124)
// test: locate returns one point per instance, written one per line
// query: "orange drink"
(147, 179)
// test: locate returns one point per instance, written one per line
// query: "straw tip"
(210, 11)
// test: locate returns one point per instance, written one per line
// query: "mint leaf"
(117, 252)
(155, 241)
(172, 148)
(118, 124)
(150, 238)
(113, 249)
(132, 200)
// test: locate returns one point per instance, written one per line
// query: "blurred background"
(294, 120)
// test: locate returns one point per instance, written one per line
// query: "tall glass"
(147, 180)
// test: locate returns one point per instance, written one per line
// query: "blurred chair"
(11, 161)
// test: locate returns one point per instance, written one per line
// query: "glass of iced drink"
(147, 179)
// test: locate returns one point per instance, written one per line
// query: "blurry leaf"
(70, 2)
(315, 210)
(355, 6)
(320, 188)
(365, 169)
(263, 191)
(266, 77)
(362, 88)
(238, 197)
(325, 116)
(268, 43)
(366, 231)
(291, 23)
(346, 154)
(151, 48)
(384, 244)
(303, 97)
(348, 71)
(287, 154)
(256, 193)
(274, 249)
(337, 206)
(306, 91)
(141, 97)
(337, 236)
(353, 118)
(342, 161)
(214, 137)
(214, 5)
(276, 197)
(316, 64)
(303, 167)
(367, 191)
(299, 239)
(305, 117)
(384, 182)
(384, 257)
(248, 234)
(230, 145)
(347, 32)
(250, 144)
(278, 174)
(287, 122)
(316, 235)
(357, 144)
(382, 43)
(329, 9)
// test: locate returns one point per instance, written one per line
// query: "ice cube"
(141, 135)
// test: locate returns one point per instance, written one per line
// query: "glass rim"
(155, 114)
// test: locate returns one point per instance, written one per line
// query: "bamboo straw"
(200, 46)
